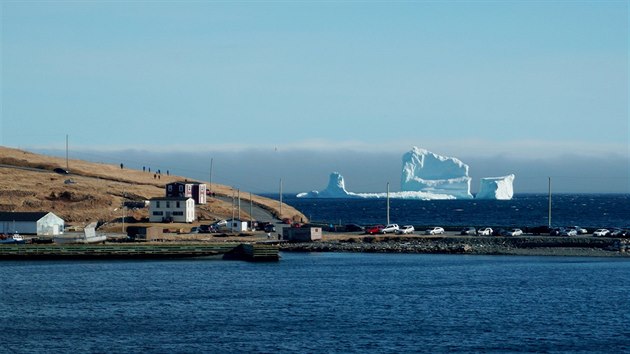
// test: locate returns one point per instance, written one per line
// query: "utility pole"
(123, 213)
(251, 214)
(239, 203)
(211, 162)
(280, 216)
(387, 203)
(549, 202)
(232, 221)
(67, 167)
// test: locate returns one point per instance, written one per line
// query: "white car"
(407, 229)
(485, 232)
(579, 230)
(390, 228)
(515, 232)
(434, 231)
(569, 232)
(601, 232)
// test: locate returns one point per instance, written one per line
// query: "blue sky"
(512, 85)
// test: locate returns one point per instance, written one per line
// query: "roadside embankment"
(552, 246)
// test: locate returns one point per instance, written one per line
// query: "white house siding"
(175, 209)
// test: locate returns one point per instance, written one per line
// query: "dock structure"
(249, 252)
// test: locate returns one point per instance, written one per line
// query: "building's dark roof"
(185, 182)
(172, 198)
(21, 216)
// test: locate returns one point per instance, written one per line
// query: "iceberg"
(424, 171)
(426, 176)
(336, 189)
(500, 188)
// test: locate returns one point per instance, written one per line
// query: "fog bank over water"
(260, 171)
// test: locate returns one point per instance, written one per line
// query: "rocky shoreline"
(533, 246)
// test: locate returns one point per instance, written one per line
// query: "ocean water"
(524, 210)
(308, 303)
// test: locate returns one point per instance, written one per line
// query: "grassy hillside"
(95, 191)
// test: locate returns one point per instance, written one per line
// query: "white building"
(33, 223)
(237, 225)
(167, 209)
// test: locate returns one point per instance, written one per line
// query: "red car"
(376, 229)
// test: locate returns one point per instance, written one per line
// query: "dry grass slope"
(28, 183)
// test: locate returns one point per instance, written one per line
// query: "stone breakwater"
(560, 246)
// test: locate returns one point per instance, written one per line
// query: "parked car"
(500, 232)
(374, 229)
(220, 223)
(270, 228)
(390, 228)
(556, 231)
(579, 230)
(539, 230)
(486, 231)
(354, 228)
(619, 233)
(434, 231)
(205, 229)
(569, 232)
(61, 171)
(407, 229)
(601, 232)
(468, 231)
(515, 232)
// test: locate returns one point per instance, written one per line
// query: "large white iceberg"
(424, 171)
(428, 176)
(496, 188)
(337, 189)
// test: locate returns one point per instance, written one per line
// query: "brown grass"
(28, 183)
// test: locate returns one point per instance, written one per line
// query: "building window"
(168, 205)
(177, 205)
(157, 204)
(170, 188)
(158, 213)
(181, 188)
(178, 213)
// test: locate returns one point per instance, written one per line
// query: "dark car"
(61, 171)
(270, 228)
(468, 231)
(618, 233)
(500, 232)
(354, 228)
(539, 230)
(205, 229)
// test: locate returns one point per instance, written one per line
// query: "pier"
(240, 251)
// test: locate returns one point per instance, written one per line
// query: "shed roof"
(177, 199)
(185, 182)
(22, 215)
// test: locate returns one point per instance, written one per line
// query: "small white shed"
(237, 225)
(31, 223)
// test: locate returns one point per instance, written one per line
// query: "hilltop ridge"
(96, 191)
